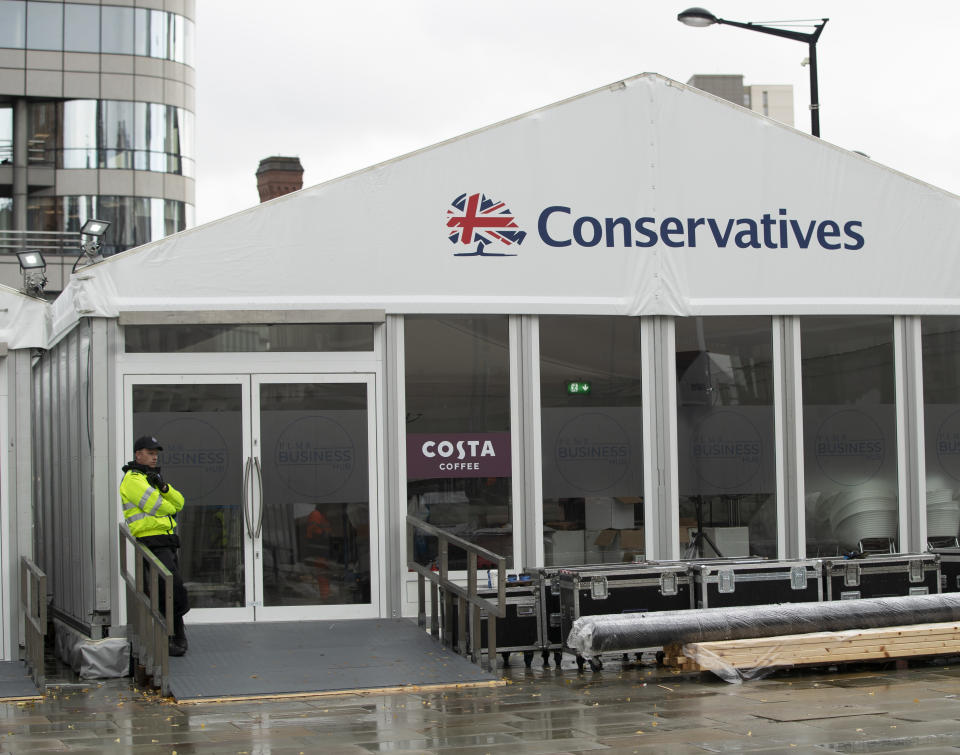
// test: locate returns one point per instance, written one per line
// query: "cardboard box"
(607, 514)
(565, 548)
(732, 542)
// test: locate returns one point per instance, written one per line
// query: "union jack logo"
(480, 220)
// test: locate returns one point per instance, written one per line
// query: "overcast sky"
(347, 84)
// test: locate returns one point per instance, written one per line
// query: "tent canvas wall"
(645, 198)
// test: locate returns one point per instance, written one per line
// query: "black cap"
(147, 441)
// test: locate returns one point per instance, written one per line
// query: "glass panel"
(151, 33)
(150, 136)
(43, 120)
(77, 210)
(6, 135)
(175, 38)
(316, 494)
(172, 216)
(13, 23)
(116, 134)
(166, 339)
(725, 443)
(120, 212)
(42, 213)
(6, 213)
(592, 439)
(81, 27)
(201, 429)
(44, 26)
(849, 427)
(941, 409)
(458, 432)
(171, 139)
(188, 37)
(80, 134)
(117, 30)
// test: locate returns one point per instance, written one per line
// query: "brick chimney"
(277, 176)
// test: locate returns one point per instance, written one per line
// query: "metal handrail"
(468, 601)
(33, 604)
(67, 243)
(150, 628)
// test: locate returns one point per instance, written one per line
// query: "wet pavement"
(638, 708)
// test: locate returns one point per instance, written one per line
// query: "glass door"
(314, 495)
(280, 485)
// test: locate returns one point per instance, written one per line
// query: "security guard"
(149, 506)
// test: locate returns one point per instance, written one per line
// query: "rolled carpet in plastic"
(593, 635)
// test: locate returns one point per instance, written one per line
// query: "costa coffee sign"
(432, 455)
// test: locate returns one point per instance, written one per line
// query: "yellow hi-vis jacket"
(147, 510)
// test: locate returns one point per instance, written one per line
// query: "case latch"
(668, 583)
(726, 581)
(851, 575)
(916, 571)
(798, 577)
(598, 588)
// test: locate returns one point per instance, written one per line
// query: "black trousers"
(169, 556)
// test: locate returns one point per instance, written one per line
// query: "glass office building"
(96, 120)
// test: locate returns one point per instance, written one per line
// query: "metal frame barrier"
(468, 601)
(33, 604)
(150, 629)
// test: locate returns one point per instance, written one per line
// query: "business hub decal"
(476, 219)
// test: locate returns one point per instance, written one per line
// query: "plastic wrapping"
(594, 635)
(108, 658)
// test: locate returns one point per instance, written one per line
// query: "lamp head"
(31, 260)
(95, 227)
(697, 17)
(33, 267)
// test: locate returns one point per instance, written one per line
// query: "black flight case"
(881, 576)
(518, 631)
(546, 581)
(948, 548)
(720, 583)
(621, 588)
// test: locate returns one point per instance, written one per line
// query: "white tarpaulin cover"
(643, 197)
(24, 320)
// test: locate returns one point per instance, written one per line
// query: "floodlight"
(95, 227)
(33, 266)
(31, 260)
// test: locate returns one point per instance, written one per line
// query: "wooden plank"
(948, 629)
(821, 647)
(362, 692)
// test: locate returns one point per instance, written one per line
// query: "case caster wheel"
(596, 664)
(557, 657)
(545, 656)
(580, 662)
(528, 659)
(506, 659)
(660, 657)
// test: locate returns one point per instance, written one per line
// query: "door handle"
(256, 463)
(247, 518)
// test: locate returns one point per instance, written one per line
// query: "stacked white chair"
(943, 513)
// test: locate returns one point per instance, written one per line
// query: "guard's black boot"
(178, 643)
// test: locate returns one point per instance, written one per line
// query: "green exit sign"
(577, 387)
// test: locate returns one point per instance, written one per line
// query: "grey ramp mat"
(15, 681)
(274, 658)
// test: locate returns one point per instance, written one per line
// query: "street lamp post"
(701, 17)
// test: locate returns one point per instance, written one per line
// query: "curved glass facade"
(111, 134)
(135, 220)
(76, 27)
